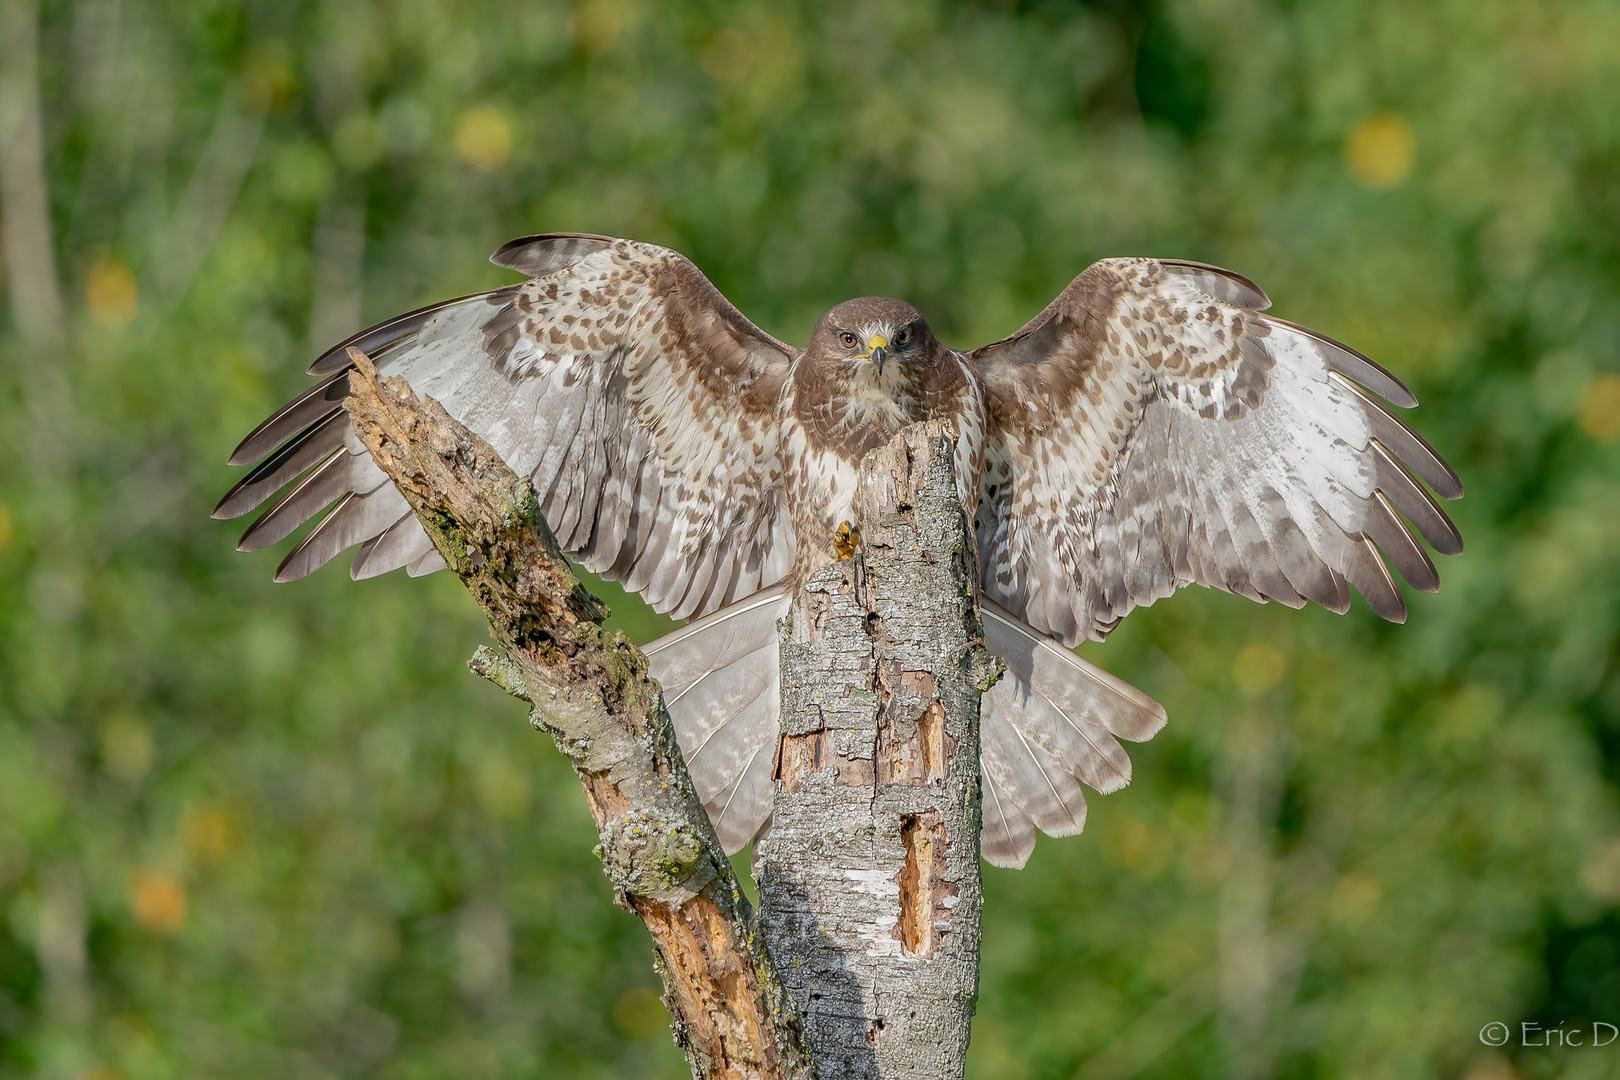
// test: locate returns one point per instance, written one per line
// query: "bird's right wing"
(638, 398)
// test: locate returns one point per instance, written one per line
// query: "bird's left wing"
(1151, 429)
(640, 401)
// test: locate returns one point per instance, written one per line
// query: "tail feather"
(1046, 793)
(690, 655)
(745, 808)
(1007, 836)
(1083, 748)
(724, 744)
(1052, 713)
(719, 676)
(708, 705)
(1071, 684)
(1053, 722)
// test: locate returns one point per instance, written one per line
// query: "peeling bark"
(869, 877)
(589, 689)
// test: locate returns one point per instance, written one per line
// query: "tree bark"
(590, 690)
(869, 877)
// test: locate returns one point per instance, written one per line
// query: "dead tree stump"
(869, 876)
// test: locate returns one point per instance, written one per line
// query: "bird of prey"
(1149, 429)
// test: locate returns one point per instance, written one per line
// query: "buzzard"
(1148, 430)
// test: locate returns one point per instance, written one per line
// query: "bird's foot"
(846, 540)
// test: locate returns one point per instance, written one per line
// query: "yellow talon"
(846, 540)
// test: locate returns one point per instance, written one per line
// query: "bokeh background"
(252, 830)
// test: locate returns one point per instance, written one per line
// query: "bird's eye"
(848, 339)
(903, 338)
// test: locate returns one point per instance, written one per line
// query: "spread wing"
(640, 401)
(1151, 428)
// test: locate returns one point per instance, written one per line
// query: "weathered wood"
(869, 877)
(589, 689)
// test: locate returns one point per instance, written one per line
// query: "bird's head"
(873, 330)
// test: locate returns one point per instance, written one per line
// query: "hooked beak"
(878, 350)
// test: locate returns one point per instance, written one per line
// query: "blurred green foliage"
(253, 830)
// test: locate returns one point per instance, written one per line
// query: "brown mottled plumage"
(1148, 430)
(838, 404)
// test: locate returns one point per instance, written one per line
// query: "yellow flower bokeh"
(1380, 151)
(483, 137)
(110, 293)
(1599, 410)
(1259, 666)
(158, 900)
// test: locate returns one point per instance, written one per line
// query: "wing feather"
(315, 404)
(401, 544)
(1389, 532)
(1407, 444)
(430, 561)
(326, 483)
(276, 471)
(357, 519)
(641, 402)
(1356, 366)
(377, 341)
(1007, 835)
(1229, 288)
(1415, 503)
(1151, 429)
